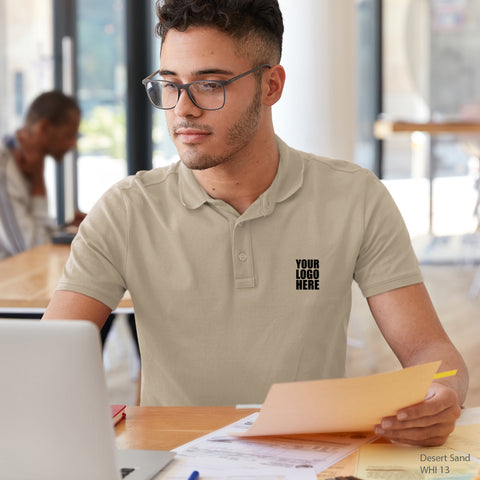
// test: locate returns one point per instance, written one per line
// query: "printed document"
(318, 451)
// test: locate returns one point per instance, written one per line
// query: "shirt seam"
(95, 293)
(406, 279)
(127, 241)
(130, 182)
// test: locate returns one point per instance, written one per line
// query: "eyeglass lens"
(208, 94)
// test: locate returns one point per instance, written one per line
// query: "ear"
(41, 127)
(274, 81)
(40, 131)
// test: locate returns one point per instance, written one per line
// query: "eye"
(169, 85)
(208, 87)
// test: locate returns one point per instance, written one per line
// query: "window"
(431, 72)
(26, 66)
(101, 90)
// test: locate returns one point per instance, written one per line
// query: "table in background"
(384, 128)
(29, 279)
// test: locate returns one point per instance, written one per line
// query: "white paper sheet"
(181, 468)
(318, 451)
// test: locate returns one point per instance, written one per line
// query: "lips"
(191, 135)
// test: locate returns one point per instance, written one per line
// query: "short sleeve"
(386, 259)
(97, 261)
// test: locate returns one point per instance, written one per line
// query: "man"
(51, 128)
(240, 258)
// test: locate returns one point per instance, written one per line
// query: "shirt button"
(242, 256)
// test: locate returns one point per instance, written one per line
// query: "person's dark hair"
(53, 106)
(255, 25)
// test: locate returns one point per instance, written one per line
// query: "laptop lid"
(55, 419)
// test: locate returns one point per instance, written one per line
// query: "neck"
(240, 181)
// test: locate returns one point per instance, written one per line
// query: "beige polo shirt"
(227, 304)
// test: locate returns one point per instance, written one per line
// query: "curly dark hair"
(54, 106)
(256, 26)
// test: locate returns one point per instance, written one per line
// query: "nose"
(185, 107)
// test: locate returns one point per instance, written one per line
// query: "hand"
(428, 423)
(77, 219)
(32, 156)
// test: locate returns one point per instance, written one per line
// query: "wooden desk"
(28, 280)
(166, 428)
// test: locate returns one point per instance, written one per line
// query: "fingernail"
(402, 416)
(387, 424)
(430, 395)
(379, 431)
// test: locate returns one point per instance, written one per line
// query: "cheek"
(55, 138)
(60, 143)
(170, 120)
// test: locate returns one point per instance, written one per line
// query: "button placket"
(242, 256)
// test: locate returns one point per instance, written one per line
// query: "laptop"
(55, 419)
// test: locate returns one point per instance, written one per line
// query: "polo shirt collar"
(287, 181)
(192, 194)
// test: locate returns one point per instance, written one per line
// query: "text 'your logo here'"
(307, 273)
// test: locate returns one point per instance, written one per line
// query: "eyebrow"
(209, 71)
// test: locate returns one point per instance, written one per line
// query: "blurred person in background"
(50, 128)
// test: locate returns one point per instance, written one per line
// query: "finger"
(448, 415)
(444, 427)
(434, 404)
(21, 135)
(421, 442)
(434, 435)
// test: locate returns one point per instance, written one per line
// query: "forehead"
(72, 122)
(199, 48)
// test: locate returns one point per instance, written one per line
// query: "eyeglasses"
(205, 94)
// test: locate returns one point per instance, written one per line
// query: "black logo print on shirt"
(307, 273)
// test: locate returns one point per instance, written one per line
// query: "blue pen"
(194, 475)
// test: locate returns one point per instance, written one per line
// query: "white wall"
(318, 110)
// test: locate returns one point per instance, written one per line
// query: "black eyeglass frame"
(186, 87)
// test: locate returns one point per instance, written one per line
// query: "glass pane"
(101, 93)
(405, 92)
(26, 62)
(26, 66)
(431, 73)
(164, 151)
(367, 82)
